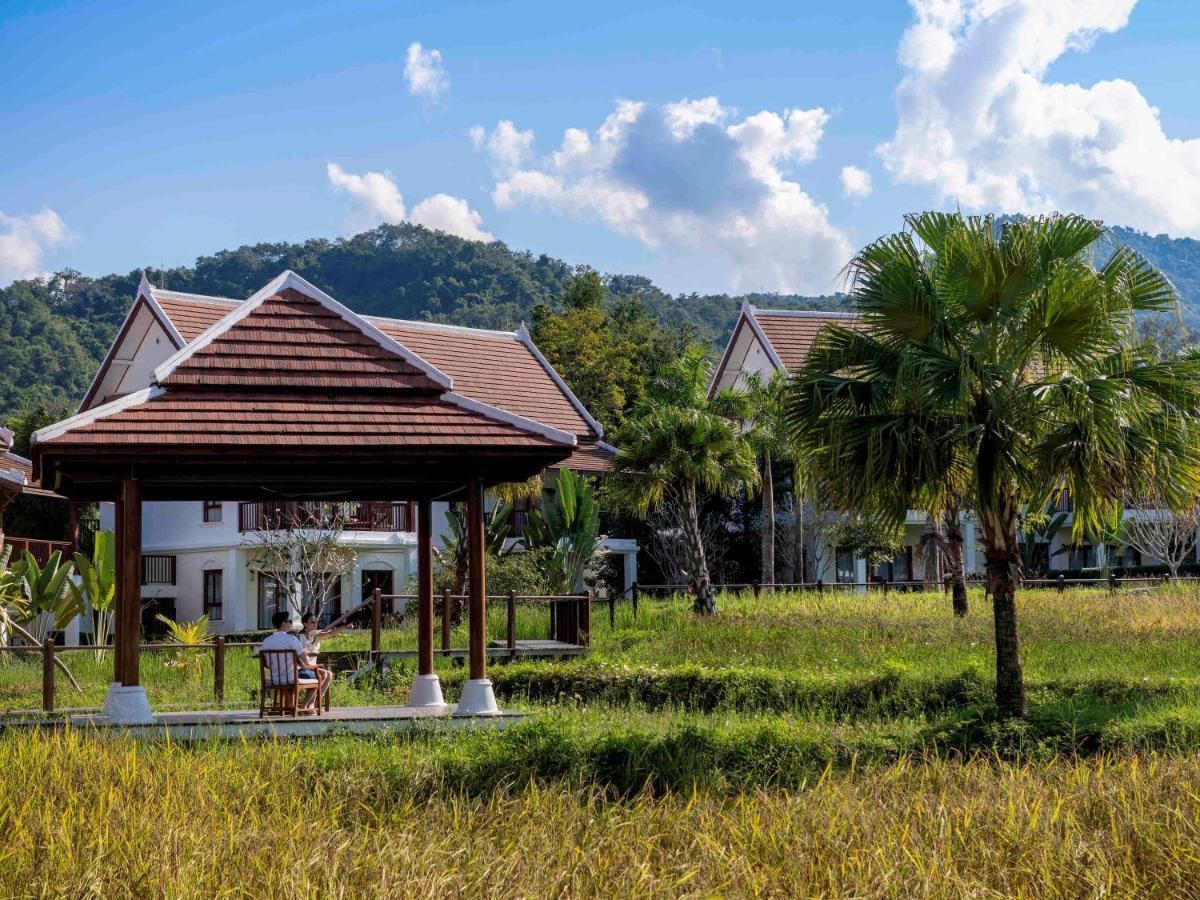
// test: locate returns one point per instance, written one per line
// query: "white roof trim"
(106, 409)
(524, 337)
(283, 281)
(443, 326)
(803, 313)
(603, 445)
(16, 478)
(16, 457)
(145, 292)
(763, 339)
(204, 298)
(500, 415)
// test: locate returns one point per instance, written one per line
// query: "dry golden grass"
(85, 818)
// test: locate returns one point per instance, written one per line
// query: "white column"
(630, 568)
(969, 547)
(237, 598)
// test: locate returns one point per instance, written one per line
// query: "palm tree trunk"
(768, 522)
(956, 563)
(702, 589)
(1003, 560)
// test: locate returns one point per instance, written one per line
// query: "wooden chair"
(279, 680)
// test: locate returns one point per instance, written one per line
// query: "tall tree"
(679, 443)
(771, 440)
(1000, 357)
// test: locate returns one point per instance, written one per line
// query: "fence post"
(612, 610)
(634, 597)
(446, 603)
(885, 587)
(1113, 583)
(219, 668)
(1062, 583)
(48, 675)
(376, 620)
(946, 583)
(757, 590)
(820, 585)
(512, 623)
(585, 618)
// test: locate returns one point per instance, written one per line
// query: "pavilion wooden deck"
(235, 724)
(499, 650)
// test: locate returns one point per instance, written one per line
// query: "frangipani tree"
(1000, 357)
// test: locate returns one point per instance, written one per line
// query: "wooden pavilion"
(292, 395)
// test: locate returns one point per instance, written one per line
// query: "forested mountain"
(53, 333)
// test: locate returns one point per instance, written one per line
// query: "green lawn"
(794, 745)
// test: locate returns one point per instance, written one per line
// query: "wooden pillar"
(425, 588)
(128, 620)
(477, 628)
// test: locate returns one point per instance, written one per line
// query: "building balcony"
(41, 550)
(351, 515)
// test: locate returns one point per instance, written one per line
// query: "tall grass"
(115, 819)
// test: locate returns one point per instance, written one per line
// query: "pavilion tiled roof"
(188, 417)
(792, 333)
(16, 475)
(499, 368)
(292, 368)
(293, 341)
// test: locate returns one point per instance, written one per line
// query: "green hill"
(53, 333)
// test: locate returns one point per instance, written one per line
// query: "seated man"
(283, 639)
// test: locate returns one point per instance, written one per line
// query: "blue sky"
(700, 144)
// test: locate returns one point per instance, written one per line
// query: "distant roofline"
(803, 313)
(444, 326)
(202, 298)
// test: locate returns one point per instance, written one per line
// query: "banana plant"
(97, 587)
(14, 589)
(568, 524)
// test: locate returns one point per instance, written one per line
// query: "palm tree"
(679, 443)
(771, 440)
(998, 360)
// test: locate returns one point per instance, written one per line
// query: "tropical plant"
(679, 443)
(1037, 530)
(454, 555)
(998, 362)
(98, 586)
(567, 525)
(767, 430)
(186, 634)
(873, 538)
(13, 591)
(42, 597)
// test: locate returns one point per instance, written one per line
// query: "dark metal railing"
(262, 515)
(41, 550)
(158, 569)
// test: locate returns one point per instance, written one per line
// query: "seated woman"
(310, 639)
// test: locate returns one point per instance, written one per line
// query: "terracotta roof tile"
(489, 366)
(792, 336)
(187, 417)
(587, 458)
(293, 342)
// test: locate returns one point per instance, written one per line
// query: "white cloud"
(686, 176)
(379, 200)
(980, 123)
(424, 72)
(452, 215)
(856, 182)
(24, 241)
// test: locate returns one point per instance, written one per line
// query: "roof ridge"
(444, 326)
(187, 298)
(805, 313)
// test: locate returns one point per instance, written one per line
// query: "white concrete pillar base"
(478, 699)
(426, 691)
(127, 705)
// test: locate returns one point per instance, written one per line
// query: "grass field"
(796, 745)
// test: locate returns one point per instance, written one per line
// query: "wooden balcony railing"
(263, 515)
(158, 569)
(41, 550)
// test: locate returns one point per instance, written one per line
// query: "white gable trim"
(106, 409)
(16, 478)
(443, 326)
(202, 298)
(524, 337)
(500, 415)
(145, 294)
(282, 282)
(763, 339)
(804, 313)
(607, 447)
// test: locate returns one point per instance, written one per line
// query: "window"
(1081, 556)
(845, 566)
(212, 511)
(269, 598)
(324, 598)
(213, 599)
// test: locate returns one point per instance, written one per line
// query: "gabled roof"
(16, 476)
(785, 336)
(500, 368)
